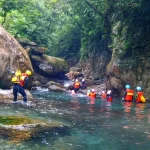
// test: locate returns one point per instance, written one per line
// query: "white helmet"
(77, 80)
(93, 90)
(109, 91)
(83, 79)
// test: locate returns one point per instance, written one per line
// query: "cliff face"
(95, 66)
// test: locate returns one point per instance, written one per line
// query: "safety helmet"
(28, 72)
(18, 73)
(127, 86)
(138, 88)
(77, 80)
(93, 90)
(109, 91)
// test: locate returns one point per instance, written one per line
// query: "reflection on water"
(94, 124)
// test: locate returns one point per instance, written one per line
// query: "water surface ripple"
(93, 124)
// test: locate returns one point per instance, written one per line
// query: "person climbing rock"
(19, 81)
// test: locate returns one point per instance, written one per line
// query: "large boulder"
(12, 57)
(31, 47)
(49, 66)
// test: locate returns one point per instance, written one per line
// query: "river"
(93, 124)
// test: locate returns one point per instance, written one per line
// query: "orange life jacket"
(103, 95)
(138, 99)
(129, 95)
(77, 85)
(92, 95)
(22, 79)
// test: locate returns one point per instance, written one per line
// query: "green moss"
(14, 120)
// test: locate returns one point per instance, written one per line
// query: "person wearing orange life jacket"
(139, 94)
(103, 95)
(76, 86)
(92, 94)
(19, 81)
(109, 96)
(128, 96)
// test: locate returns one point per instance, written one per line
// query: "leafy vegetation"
(71, 28)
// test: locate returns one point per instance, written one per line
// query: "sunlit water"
(93, 125)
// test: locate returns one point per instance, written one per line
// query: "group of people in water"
(20, 80)
(129, 95)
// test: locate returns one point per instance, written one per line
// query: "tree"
(9, 5)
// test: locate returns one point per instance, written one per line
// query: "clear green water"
(93, 125)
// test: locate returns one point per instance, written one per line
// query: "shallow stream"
(93, 124)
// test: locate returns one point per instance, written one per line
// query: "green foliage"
(135, 16)
(71, 28)
(10, 5)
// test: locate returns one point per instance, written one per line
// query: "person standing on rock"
(19, 81)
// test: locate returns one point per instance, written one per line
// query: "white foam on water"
(41, 89)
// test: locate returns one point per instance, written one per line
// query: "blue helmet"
(138, 88)
(127, 86)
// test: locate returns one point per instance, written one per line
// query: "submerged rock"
(19, 128)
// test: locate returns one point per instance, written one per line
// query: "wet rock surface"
(19, 128)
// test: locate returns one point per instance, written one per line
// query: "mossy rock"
(17, 129)
(14, 120)
(50, 65)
